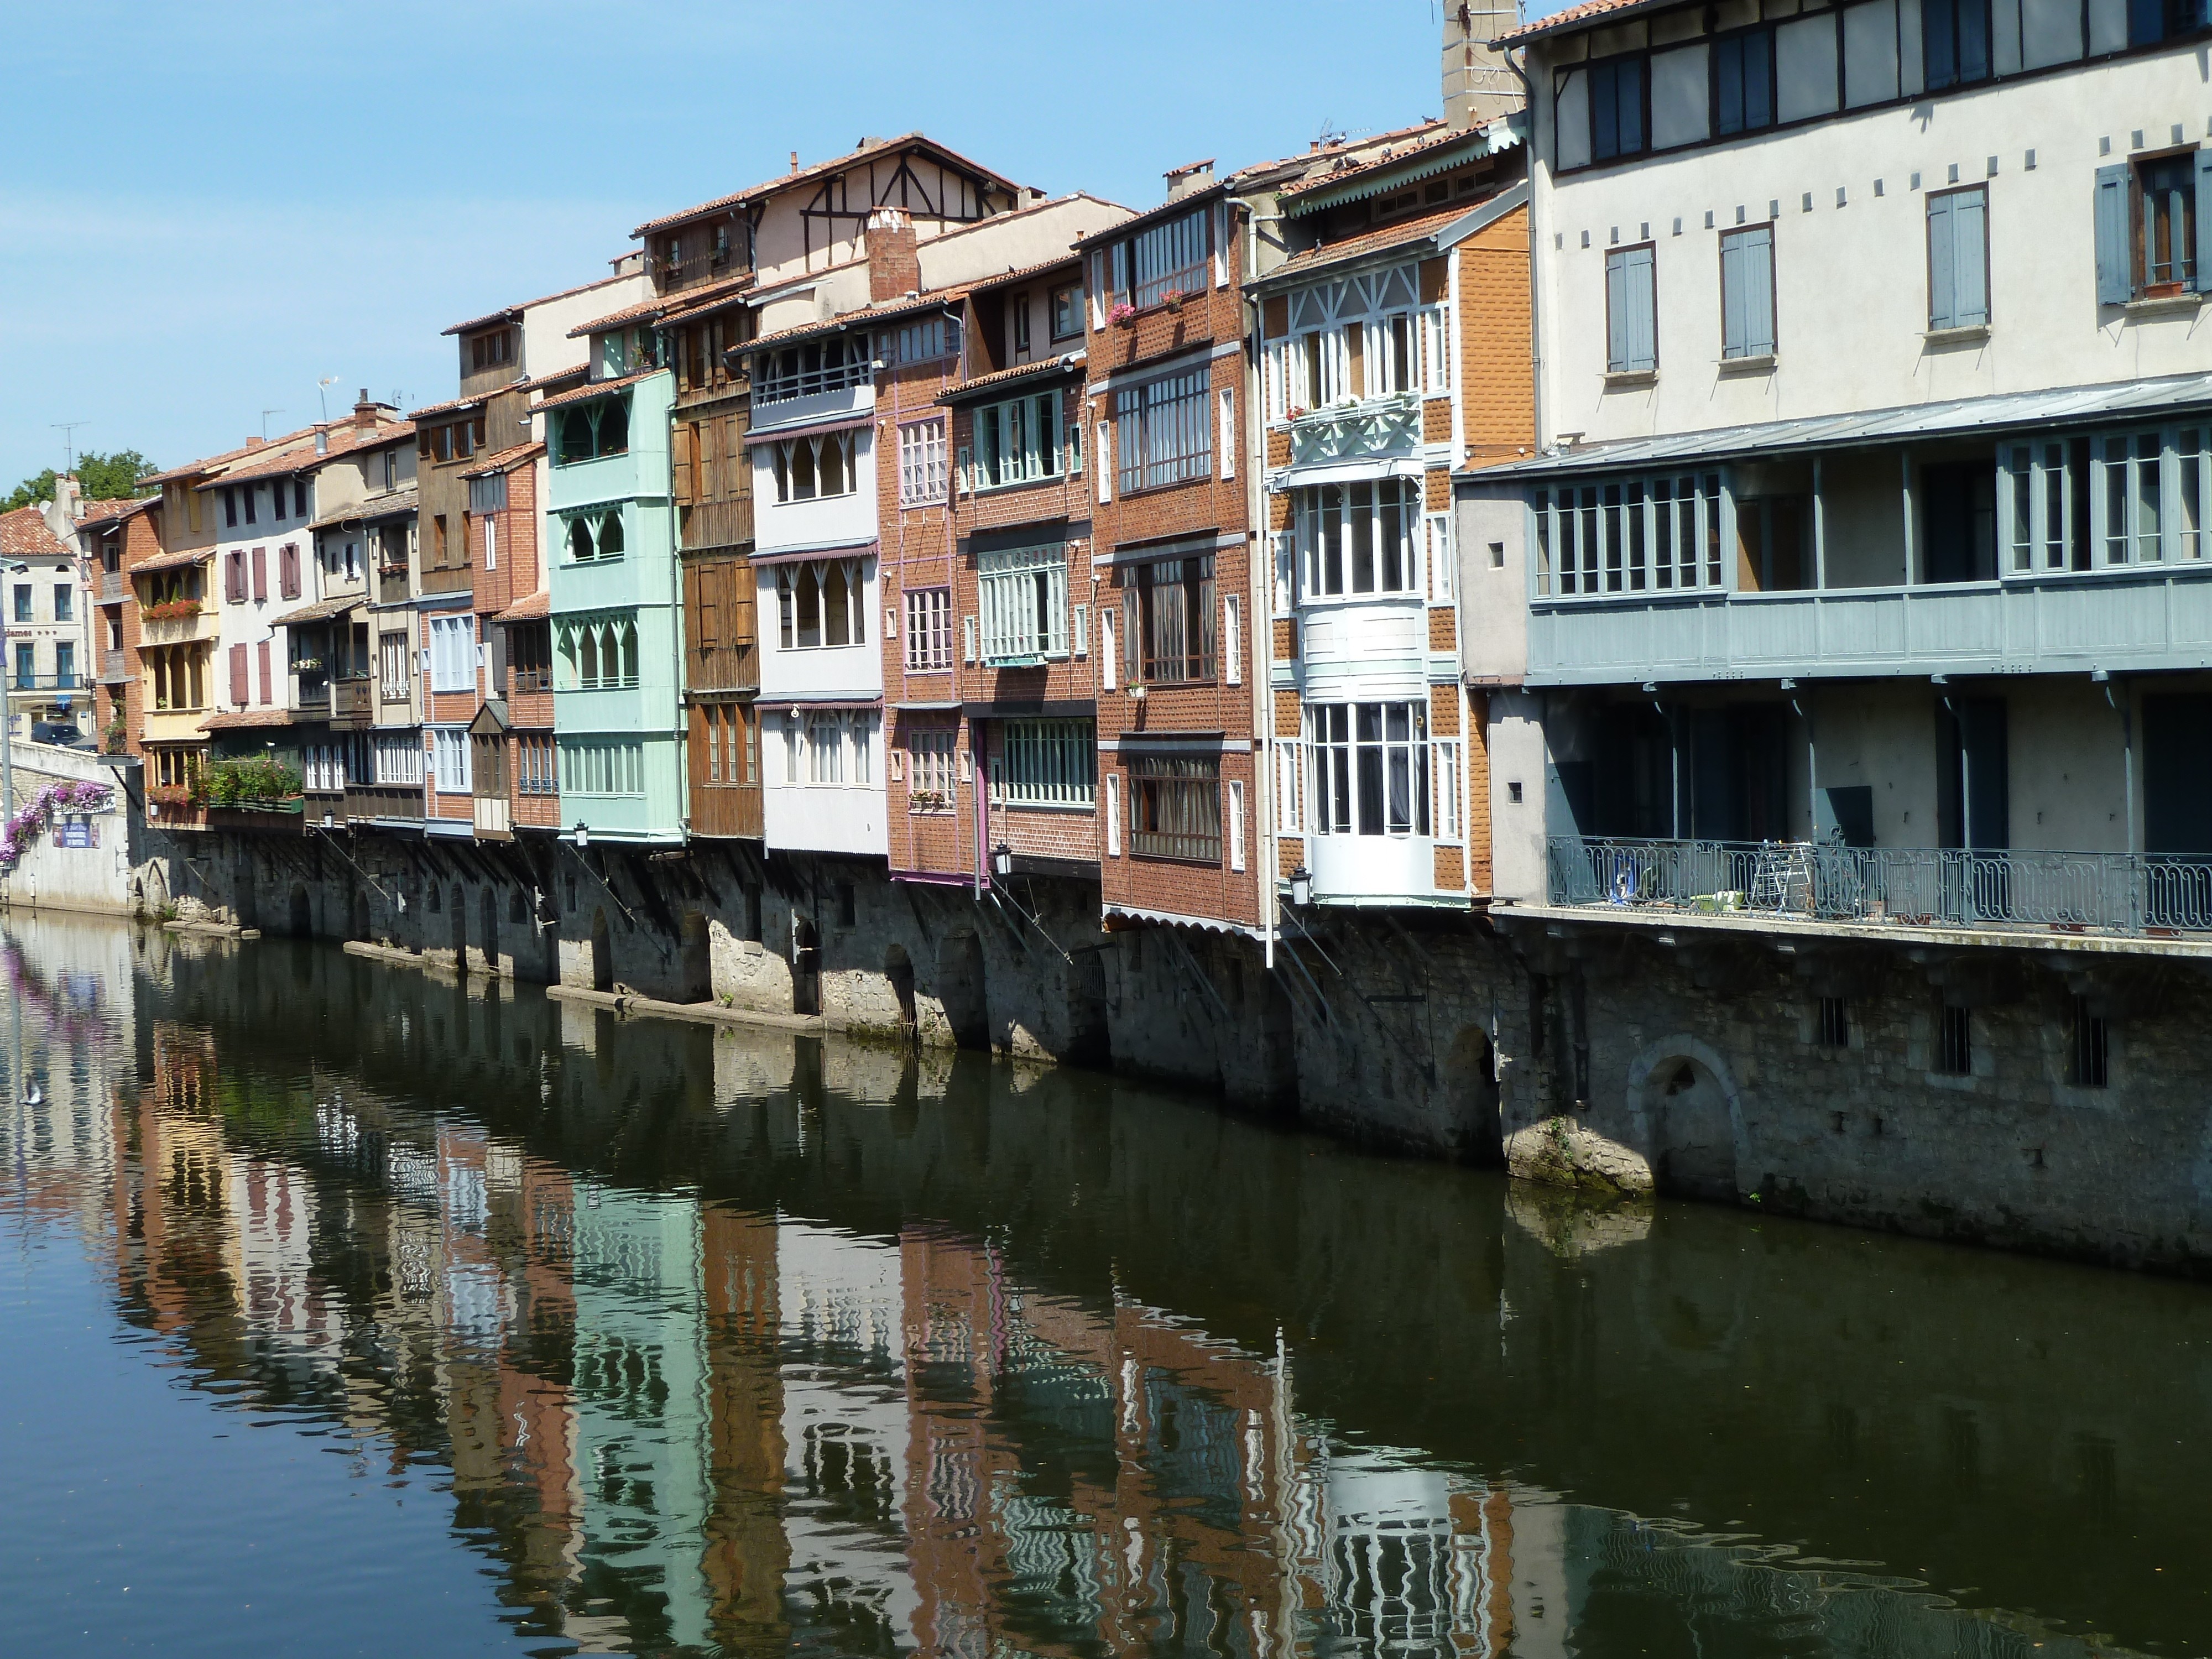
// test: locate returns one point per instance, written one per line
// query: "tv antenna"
(68, 445)
(265, 414)
(322, 396)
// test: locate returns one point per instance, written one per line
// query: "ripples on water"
(349, 1310)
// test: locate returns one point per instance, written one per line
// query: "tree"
(101, 477)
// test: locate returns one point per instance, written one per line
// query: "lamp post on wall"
(1302, 887)
(15, 567)
(1002, 861)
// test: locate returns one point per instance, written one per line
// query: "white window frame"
(792, 581)
(1442, 575)
(932, 768)
(921, 461)
(1233, 639)
(928, 630)
(453, 654)
(1047, 763)
(1023, 595)
(1166, 431)
(449, 771)
(1326, 519)
(1018, 441)
(1113, 815)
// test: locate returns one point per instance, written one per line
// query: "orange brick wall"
(1497, 396)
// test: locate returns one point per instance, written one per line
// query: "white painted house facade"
(1875, 408)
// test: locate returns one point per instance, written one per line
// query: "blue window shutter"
(2115, 268)
(1616, 313)
(1643, 301)
(1759, 294)
(1942, 264)
(1732, 299)
(1970, 259)
(2204, 231)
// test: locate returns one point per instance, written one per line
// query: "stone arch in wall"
(694, 960)
(806, 967)
(1689, 1115)
(1090, 1042)
(1471, 1103)
(458, 909)
(300, 914)
(961, 988)
(898, 970)
(488, 923)
(357, 916)
(602, 951)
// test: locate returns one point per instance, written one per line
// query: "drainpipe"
(2103, 677)
(1519, 66)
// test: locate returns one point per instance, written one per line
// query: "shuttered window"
(1958, 258)
(1631, 326)
(239, 687)
(287, 570)
(261, 663)
(1748, 292)
(260, 574)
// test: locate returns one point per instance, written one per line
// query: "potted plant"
(1172, 299)
(1123, 315)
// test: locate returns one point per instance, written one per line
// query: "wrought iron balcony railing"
(2126, 893)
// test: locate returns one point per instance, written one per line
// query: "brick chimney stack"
(893, 264)
(364, 413)
(1479, 85)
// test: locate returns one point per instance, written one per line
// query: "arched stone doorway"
(961, 990)
(695, 961)
(1692, 1120)
(300, 921)
(1471, 1099)
(1089, 1038)
(898, 969)
(806, 967)
(603, 953)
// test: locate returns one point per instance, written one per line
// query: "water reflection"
(739, 1341)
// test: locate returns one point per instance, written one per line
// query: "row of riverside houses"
(1787, 437)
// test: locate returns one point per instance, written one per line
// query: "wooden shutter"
(238, 681)
(2115, 261)
(1969, 216)
(261, 667)
(260, 572)
(1942, 264)
(233, 575)
(680, 462)
(1755, 280)
(2203, 249)
(1631, 311)
(287, 570)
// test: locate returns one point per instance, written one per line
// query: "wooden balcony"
(114, 587)
(446, 579)
(401, 801)
(715, 524)
(724, 668)
(493, 820)
(726, 810)
(114, 669)
(322, 809)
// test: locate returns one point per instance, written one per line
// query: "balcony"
(491, 816)
(389, 802)
(114, 587)
(1379, 428)
(726, 810)
(114, 670)
(174, 725)
(195, 625)
(348, 703)
(2125, 895)
(715, 524)
(705, 264)
(26, 683)
(322, 809)
(391, 584)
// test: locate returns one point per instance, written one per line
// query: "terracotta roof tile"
(381, 505)
(345, 440)
(1433, 137)
(692, 301)
(244, 718)
(1043, 368)
(650, 306)
(24, 535)
(176, 560)
(786, 180)
(531, 607)
(596, 388)
(514, 313)
(452, 405)
(1568, 17)
(865, 316)
(193, 469)
(121, 507)
(1378, 241)
(507, 459)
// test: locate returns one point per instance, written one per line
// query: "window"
(392, 468)
(490, 351)
(2167, 218)
(65, 603)
(64, 665)
(1358, 537)
(1049, 763)
(928, 629)
(529, 654)
(807, 468)
(299, 498)
(1954, 36)
(1024, 593)
(1958, 258)
(1955, 1042)
(1173, 603)
(1370, 768)
(453, 654)
(1443, 561)
(1445, 751)
(821, 605)
(1021, 321)
(1743, 81)
(230, 507)
(1632, 312)
(534, 766)
(933, 782)
(595, 537)
(1616, 108)
(1067, 311)
(288, 571)
(398, 758)
(1018, 441)
(598, 654)
(588, 430)
(488, 494)
(922, 462)
(1166, 258)
(2150, 21)
(2046, 491)
(392, 659)
(601, 767)
(250, 492)
(2090, 1060)
(836, 746)
(23, 600)
(829, 365)
(1835, 1023)
(449, 760)
(922, 343)
(1165, 433)
(1175, 807)
(1236, 824)
(1748, 292)
(26, 667)
(2146, 229)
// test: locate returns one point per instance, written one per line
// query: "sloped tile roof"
(243, 719)
(24, 535)
(596, 388)
(784, 181)
(1569, 17)
(507, 459)
(530, 608)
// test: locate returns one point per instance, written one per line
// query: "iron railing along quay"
(2123, 893)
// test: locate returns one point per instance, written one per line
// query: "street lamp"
(1302, 887)
(13, 568)
(1002, 861)
(583, 835)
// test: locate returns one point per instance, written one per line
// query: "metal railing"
(771, 386)
(2133, 893)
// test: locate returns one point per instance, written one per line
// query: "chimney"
(1479, 85)
(255, 441)
(364, 413)
(1184, 180)
(893, 264)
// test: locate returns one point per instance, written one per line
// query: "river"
(350, 1311)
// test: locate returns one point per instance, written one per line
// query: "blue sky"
(209, 207)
